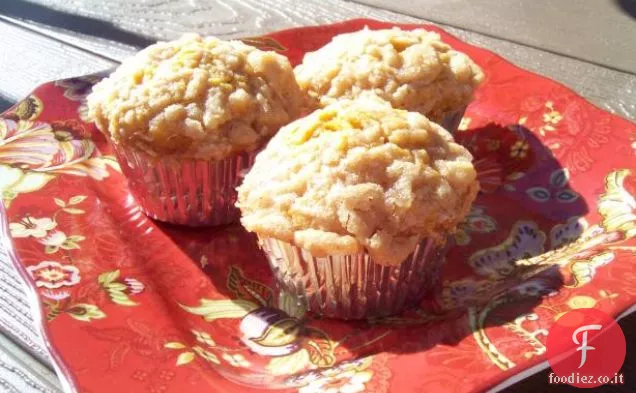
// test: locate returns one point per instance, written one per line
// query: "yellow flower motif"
(581, 301)
(552, 117)
(519, 149)
(237, 360)
(204, 338)
(617, 205)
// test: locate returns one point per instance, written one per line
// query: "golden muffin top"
(196, 97)
(413, 70)
(359, 175)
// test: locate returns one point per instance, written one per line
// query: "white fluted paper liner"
(187, 192)
(353, 286)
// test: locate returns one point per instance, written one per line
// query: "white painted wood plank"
(28, 59)
(21, 373)
(606, 88)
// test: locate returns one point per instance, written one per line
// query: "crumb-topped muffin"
(186, 119)
(196, 97)
(413, 70)
(359, 176)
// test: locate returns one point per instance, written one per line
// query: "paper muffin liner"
(451, 120)
(353, 286)
(187, 192)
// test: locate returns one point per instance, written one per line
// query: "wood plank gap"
(24, 25)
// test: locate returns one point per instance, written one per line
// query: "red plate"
(132, 305)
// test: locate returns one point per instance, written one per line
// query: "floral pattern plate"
(139, 306)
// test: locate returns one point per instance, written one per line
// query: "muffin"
(413, 70)
(186, 118)
(353, 205)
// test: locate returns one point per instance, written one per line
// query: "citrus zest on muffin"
(196, 97)
(359, 175)
(413, 70)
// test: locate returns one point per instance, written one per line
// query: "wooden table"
(586, 45)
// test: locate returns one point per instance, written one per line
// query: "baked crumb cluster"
(196, 97)
(413, 70)
(359, 175)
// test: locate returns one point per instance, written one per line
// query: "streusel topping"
(196, 97)
(359, 175)
(413, 70)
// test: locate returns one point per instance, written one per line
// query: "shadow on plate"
(497, 272)
(628, 6)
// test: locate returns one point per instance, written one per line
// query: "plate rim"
(69, 382)
(66, 377)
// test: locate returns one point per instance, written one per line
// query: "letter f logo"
(584, 347)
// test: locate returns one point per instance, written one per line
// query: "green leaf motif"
(72, 210)
(51, 249)
(108, 277)
(116, 286)
(70, 245)
(119, 297)
(174, 345)
(77, 199)
(185, 358)
(59, 202)
(281, 333)
(320, 348)
(85, 312)
(211, 310)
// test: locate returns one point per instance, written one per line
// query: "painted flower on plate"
(58, 239)
(519, 149)
(237, 360)
(54, 239)
(32, 226)
(581, 301)
(52, 275)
